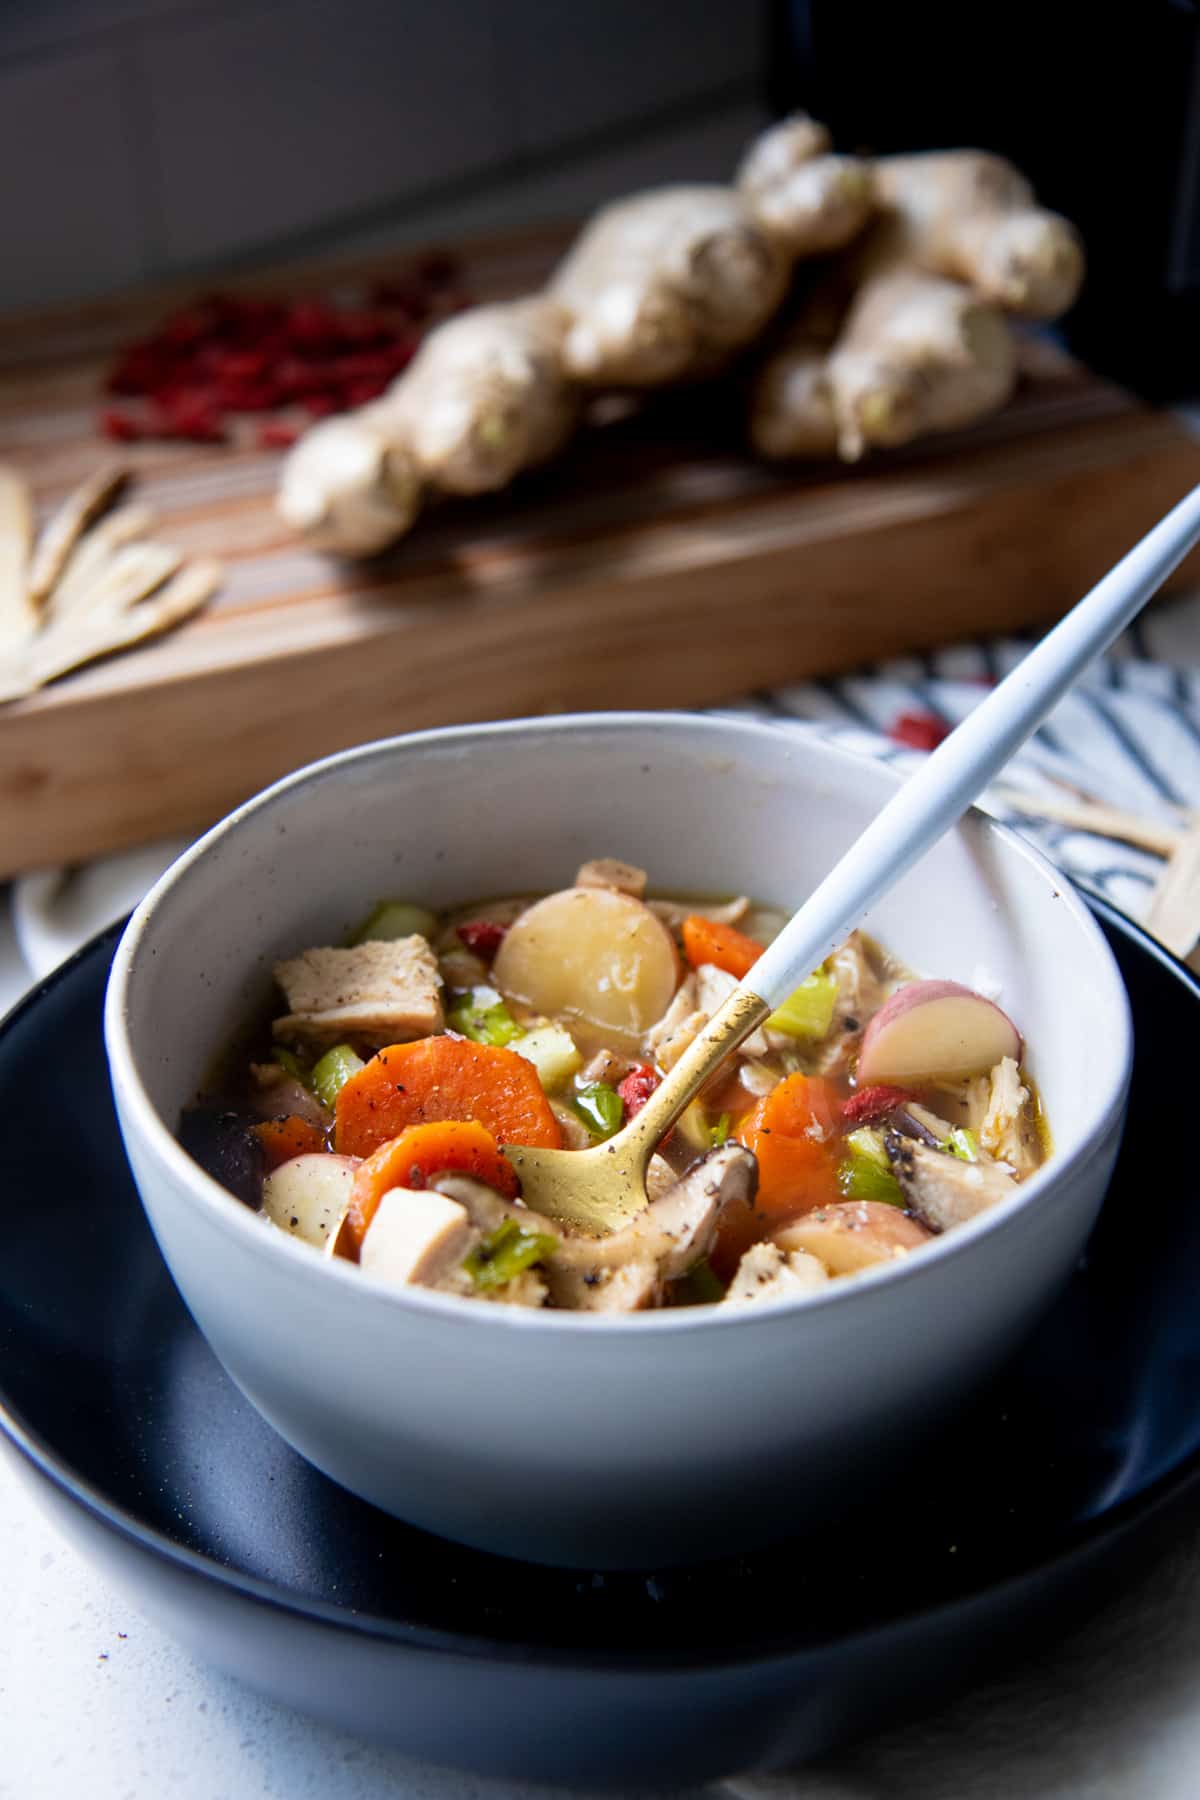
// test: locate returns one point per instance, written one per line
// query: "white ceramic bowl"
(554, 1436)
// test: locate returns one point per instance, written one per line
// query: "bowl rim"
(304, 1263)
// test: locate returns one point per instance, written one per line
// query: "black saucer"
(148, 1455)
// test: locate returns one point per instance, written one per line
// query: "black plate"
(144, 1450)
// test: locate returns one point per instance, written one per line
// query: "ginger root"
(804, 197)
(919, 341)
(666, 285)
(486, 396)
(973, 217)
(351, 484)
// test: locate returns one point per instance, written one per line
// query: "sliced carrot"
(282, 1139)
(421, 1151)
(793, 1132)
(443, 1078)
(704, 941)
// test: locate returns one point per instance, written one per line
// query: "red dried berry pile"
(231, 355)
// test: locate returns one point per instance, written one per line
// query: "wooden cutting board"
(656, 565)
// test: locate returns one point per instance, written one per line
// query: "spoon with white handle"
(602, 1188)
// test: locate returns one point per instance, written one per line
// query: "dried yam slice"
(18, 618)
(65, 527)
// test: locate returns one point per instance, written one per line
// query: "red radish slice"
(935, 1030)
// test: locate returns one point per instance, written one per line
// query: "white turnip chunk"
(593, 955)
(307, 1195)
(935, 1030)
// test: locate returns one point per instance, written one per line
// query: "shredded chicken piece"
(943, 1190)
(1009, 1131)
(384, 991)
(683, 1021)
(767, 1272)
(605, 1065)
(864, 983)
(713, 988)
(607, 872)
(575, 1134)
(674, 912)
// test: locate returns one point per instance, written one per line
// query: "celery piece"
(868, 1143)
(482, 1016)
(720, 1132)
(332, 1071)
(291, 1064)
(963, 1144)
(601, 1108)
(861, 1177)
(394, 919)
(808, 1012)
(701, 1286)
(506, 1252)
(692, 1125)
(553, 1053)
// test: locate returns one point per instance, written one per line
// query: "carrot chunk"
(419, 1152)
(443, 1078)
(704, 941)
(282, 1139)
(793, 1133)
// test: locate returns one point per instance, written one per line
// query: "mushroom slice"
(767, 1272)
(853, 1235)
(307, 1195)
(941, 1189)
(416, 1237)
(671, 1234)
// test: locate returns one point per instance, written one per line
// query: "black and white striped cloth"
(1127, 736)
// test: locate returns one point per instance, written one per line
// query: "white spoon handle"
(932, 800)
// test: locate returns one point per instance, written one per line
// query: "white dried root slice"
(81, 639)
(66, 526)
(667, 284)
(132, 573)
(809, 200)
(973, 216)
(486, 396)
(351, 484)
(18, 615)
(91, 555)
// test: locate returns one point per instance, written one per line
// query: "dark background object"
(1098, 104)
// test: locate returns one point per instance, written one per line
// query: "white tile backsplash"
(274, 121)
(141, 137)
(69, 193)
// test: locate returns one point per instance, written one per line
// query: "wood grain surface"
(655, 565)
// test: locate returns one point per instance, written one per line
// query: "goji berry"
(871, 1104)
(637, 1088)
(919, 730)
(483, 936)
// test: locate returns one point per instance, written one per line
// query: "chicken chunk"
(661, 1244)
(416, 1236)
(941, 1189)
(1009, 1131)
(767, 1272)
(384, 992)
(607, 872)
